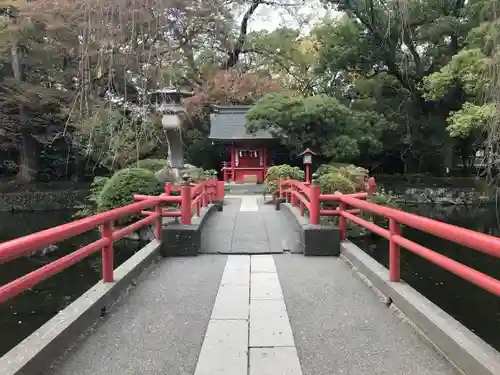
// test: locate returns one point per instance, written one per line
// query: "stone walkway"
(248, 226)
(282, 314)
(249, 329)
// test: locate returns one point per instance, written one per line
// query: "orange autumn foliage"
(232, 87)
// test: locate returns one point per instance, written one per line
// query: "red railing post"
(204, 194)
(220, 190)
(342, 221)
(394, 252)
(372, 186)
(314, 213)
(213, 190)
(167, 189)
(293, 197)
(107, 252)
(186, 203)
(158, 221)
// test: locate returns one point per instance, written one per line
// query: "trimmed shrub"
(356, 175)
(90, 207)
(284, 171)
(333, 182)
(118, 191)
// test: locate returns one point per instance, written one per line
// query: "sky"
(270, 18)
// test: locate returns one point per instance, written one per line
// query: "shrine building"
(248, 152)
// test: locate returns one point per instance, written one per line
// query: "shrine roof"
(227, 122)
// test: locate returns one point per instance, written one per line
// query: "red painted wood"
(205, 191)
(474, 240)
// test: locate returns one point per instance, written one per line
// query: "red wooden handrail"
(474, 240)
(10, 250)
(21, 246)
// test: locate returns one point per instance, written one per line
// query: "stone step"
(244, 189)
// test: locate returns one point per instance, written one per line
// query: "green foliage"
(210, 173)
(466, 70)
(319, 122)
(93, 198)
(8, 167)
(469, 119)
(118, 191)
(334, 177)
(334, 182)
(277, 172)
(153, 165)
(198, 174)
(383, 79)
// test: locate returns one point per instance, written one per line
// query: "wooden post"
(232, 162)
(314, 214)
(342, 222)
(394, 252)
(107, 252)
(220, 190)
(186, 203)
(264, 157)
(158, 221)
(372, 186)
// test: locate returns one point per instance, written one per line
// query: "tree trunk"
(28, 153)
(28, 157)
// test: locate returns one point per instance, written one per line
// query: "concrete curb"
(459, 345)
(58, 335)
(312, 237)
(185, 239)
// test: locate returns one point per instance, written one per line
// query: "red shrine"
(248, 152)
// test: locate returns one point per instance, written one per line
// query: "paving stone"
(249, 247)
(217, 241)
(265, 286)
(249, 204)
(237, 271)
(226, 222)
(269, 325)
(232, 302)
(225, 349)
(274, 361)
(250, 236)
(263, 263)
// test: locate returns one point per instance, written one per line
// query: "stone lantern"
(168, 103)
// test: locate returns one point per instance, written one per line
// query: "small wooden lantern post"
(307, 155)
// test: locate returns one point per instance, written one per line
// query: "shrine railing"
(351, 205)
(190, 200)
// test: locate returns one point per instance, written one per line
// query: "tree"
(285, 54)
(319, 122)
(403, 43)
(223, 87)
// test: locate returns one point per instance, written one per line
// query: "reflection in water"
(475, 308)
(25, 313)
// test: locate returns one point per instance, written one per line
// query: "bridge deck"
(281, 314)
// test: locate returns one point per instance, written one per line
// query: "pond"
(476, 309)
(25, 313)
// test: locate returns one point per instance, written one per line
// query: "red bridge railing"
(191, 199)
(350, 205)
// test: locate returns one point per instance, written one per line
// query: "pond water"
(25, 313)
(478, 310)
